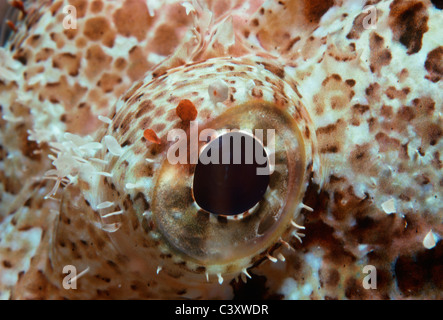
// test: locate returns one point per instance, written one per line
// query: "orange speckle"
(11, 25)
(151, 136)
(186, 110)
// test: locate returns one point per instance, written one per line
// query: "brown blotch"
(327, 129)
(315, 9)
(386, 111)
(409, 22)
(144, 107)
(144, 170)
(380, 55)
(436, 162)
(81, 42)
(350, 82)
(387, 143)
(120, 63)
(424, 106)
(145, 204)
(291, 44)
(97, 61)
(34, 40)
(357, 27)
(373, 92)
(126, 122)
(329, 149)
(431, 133)
(361, 160)
(96, 6)
(58, 39)
(81, 6)
(330, 137)
(84, 185)
(359, 108)
(70, 34)
(279, 72)
(22, 55)
(392, 93)
(67, 61)
(108, 81)
(7, 264)
(43, 54)
(165, 40)
(410, 275)
(62, 92)
(55, 7)
(98, 28)
(36, 282)
(406, 113)
(376, 231)
(434, 64)
(346, 203)
(82, 120)
(133, 19)
(403, 75)
(354, 289)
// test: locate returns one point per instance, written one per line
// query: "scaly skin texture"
(360, 107)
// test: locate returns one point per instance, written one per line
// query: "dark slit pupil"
(229, 187)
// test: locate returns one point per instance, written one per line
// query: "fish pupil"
(230, 184)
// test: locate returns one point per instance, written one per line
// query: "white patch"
(430, 240)
(105, 119)
(225, 34)
(189, 7)
(130, 186)
(116, 213)
(293, 291)
(155, 58)
(153, 5)
(389, 206)
(218, 91)
(113, 146)
(105, 205)
(113, 227)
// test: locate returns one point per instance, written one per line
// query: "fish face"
(143, 193)
(112, 140)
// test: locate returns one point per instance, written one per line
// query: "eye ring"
(213, 240)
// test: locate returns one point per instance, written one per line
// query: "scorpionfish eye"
(208, 175)
(233, 186)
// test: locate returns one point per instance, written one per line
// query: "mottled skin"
(366, 115)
